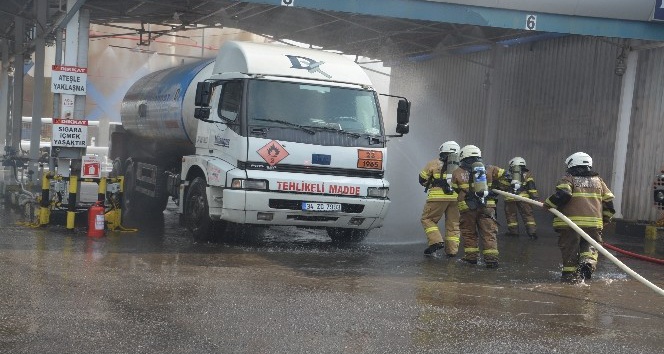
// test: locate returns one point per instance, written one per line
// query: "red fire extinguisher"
(96, 220)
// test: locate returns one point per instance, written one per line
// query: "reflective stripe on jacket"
(432, 176)
(527, 189)
(587, 197)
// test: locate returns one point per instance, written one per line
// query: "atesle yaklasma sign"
(70, 80)
(70, 132)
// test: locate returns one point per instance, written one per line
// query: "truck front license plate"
(307, 206)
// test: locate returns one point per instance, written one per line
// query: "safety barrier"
(111, 185)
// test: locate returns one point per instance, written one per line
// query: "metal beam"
(487, 16)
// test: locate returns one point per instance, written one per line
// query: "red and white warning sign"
(91, 167)
(69, 80)
(69, 132)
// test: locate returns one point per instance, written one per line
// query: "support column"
(4, 93)
(17, 101)
(622, 131)
(490, 84)
(82, 57)
(40, 7)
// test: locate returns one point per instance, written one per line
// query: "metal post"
(490, 85)
(4, 93)
(40, 7)
(622, 131)
(82, 57)
(17, 102)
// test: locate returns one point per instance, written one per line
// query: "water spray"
(595, 244)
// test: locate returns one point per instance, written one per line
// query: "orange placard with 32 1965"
(370, 159)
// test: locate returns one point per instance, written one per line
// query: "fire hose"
(595, 244)
(632, 254)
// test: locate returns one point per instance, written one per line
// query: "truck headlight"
(241, 183)
(377, 192)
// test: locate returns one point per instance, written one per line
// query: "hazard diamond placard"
(273, 152)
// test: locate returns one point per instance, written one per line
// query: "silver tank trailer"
(159, 107)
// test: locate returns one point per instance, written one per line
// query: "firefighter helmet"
(470, 151)
(579, 159)
(517, 161)
(449, 146)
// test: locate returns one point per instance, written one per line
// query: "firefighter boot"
(570, 278)
(586, 270)
(433, 248)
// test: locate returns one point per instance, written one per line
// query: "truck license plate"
(308, 206)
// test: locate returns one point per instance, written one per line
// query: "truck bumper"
(268, 208)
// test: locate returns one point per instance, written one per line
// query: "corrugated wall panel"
(548, 100)
(645, 155)
(560, 96)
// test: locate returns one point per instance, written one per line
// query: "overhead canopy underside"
(388, 30)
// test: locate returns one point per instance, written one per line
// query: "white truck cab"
(271, 135)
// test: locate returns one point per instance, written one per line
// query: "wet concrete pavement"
(293, 291)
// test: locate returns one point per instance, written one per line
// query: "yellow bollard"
(101, 191)
(44, 207)
(71, 212)
(651, 232)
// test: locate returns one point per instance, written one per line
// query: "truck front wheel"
(341, 235)
(196, 211)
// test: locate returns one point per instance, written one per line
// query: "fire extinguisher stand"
(96, 222)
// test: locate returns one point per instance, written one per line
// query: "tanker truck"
(263, 134)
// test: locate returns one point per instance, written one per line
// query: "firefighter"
(522, 184)
(582, 196)
(471, 180)
(436, 177)
(500, 180)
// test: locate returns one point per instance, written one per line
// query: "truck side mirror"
(403, 128)
(203, 94)
(403, 112)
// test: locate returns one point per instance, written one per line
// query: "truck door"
(223, 136)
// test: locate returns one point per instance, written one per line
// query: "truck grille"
(297, 205)
(312, 169)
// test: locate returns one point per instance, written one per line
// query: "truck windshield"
(320, 108)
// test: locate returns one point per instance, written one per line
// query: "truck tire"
(117, 168)
(342, 235)
(196, 211)
(130, 200)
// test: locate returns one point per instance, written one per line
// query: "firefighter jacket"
(584, 198)
(500, 180)
(496, 177)
(527, 188)
(435, 180)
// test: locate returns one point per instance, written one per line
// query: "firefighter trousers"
(575, 250)
(431, 215)
(476, 224)
(512, 208)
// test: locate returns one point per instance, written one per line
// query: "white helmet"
(579, 159)
(517, 161)
(470, 151)
(449, 146)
